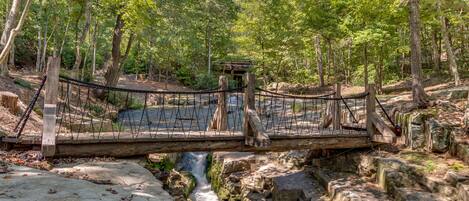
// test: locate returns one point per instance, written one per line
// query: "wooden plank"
(370, 108)
(108, 137)
(261, 138)
(388, 135)
(220, 119)
(141, 148)
(336, 108)
(50, 104)
(249, 103)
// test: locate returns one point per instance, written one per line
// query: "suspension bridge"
(87, 119)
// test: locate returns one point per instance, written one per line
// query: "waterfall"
(203, 190)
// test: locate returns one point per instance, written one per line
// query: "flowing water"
(203, 190)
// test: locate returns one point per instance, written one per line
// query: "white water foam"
(203, 190)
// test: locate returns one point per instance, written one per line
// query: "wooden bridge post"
(336, 108)
(370, 109)
(249, 104)
(50, 105)
(220, 119)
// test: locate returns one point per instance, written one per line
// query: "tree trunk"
(319, 61)
(82, 38)
(65, 33)
(9, 24)
(365, 54)
(112, 73)
(39, 48)
(329, 59)
(435, 50)
(209, 48)
(449, 50)
(11, 36)
(93, 62)
(418, 93)
(11, 60)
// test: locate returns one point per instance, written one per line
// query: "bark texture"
(418, 93)
(449, 50)
(9, 25)
(112, 73)
(319, 60)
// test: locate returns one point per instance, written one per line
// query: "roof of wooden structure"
(235, 66)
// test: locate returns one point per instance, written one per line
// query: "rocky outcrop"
(246, 176)
(296, 186)
(129, 175)
(92, 181)
(178, 183)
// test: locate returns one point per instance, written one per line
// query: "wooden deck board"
(107, 145)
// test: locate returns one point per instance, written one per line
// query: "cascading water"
(203, 190)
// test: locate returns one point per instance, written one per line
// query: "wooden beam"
(387, 134)
(370, 109)
(220, 118)
(261, 139)
(48, 146)
(336, 108)
(142, 148)
(249, 103)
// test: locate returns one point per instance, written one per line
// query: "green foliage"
(95, 108)
(175, 36)
(457, 166)
(192, 183)
(185, 75)
(23, 83)
(163, 165)
(205, 81)
(123, 101)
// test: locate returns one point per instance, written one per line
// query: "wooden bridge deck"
(125, 145)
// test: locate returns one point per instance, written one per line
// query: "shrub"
(23, 83)
(205, 81)
(123, 102)
(185, 76)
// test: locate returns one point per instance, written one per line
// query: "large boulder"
(129, 175)
(293, 159)
(437, 136)
(296, 186)
(25, 184)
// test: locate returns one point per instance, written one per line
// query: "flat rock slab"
(296, 186)
(131, 176)
(26, 184)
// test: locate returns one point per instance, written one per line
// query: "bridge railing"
(286, 114)
(81, 112)
(88, 111)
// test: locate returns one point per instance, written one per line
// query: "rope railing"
(287, 114)
(396, 127)
(25, 116)
(97, 112)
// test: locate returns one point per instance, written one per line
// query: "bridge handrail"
(273, 94)
(103, 87)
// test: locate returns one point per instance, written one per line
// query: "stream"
(203, 191)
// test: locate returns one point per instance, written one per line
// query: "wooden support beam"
(261, 139)
(249, 104)
(387, 134)
(336, 108)
(48, 146)
(142, 148)
(220, 118)
(370, 109)
(326, 121)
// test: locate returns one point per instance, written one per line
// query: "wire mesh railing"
(88, 111)
(295, 115)
(92, 111)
